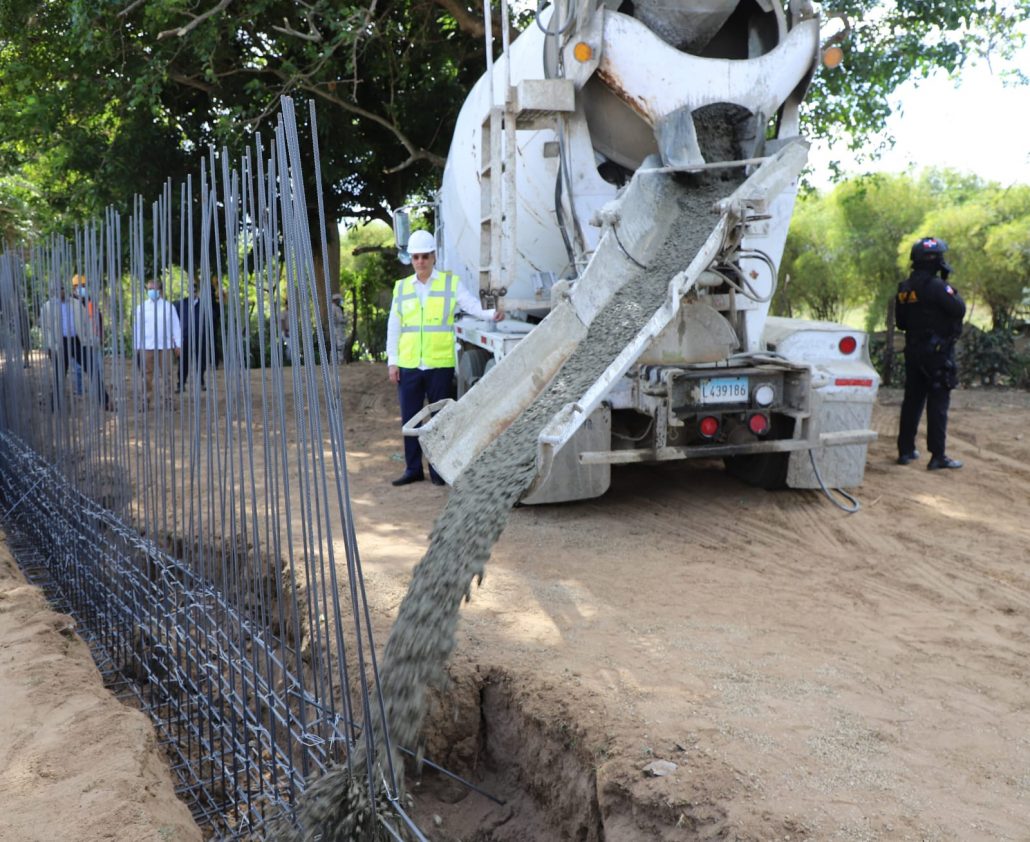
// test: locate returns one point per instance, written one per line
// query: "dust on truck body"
(557, 186)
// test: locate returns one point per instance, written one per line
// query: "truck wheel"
(471, 366)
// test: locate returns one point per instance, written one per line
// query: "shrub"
(986, 357)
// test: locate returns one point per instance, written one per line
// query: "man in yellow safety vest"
(420, 341)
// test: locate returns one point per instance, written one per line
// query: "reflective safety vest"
(427, 333)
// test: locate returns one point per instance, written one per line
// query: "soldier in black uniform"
(930, 311)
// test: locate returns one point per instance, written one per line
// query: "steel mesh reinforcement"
(199, 528)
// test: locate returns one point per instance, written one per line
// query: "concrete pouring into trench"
(537, 765)
(422, 638)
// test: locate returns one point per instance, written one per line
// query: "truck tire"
(470, 367)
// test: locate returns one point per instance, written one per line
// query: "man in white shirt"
(63, 323)
(420, 341)
(157, 335)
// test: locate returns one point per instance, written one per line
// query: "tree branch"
(359, 250)
(190, 82)
(312, 34)
(128, 9)
(193, 24)
(415, 153)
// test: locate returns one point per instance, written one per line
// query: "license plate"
(724, 390)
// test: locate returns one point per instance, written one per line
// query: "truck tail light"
(709, 426)
(758, 423)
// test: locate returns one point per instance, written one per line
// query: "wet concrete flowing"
(422, 639)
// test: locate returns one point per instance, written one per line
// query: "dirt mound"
(74, 762)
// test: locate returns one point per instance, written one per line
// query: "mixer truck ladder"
(532, 104)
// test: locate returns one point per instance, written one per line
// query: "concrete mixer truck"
(571, 169)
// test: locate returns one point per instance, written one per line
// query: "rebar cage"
(192, 510)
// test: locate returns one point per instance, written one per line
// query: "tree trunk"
(326, 282)
(352, 336)
(888, 351)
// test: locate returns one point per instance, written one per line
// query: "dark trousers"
(417, 387)
(71, 349)
(192, 358)
(92, 366)
(918, 393)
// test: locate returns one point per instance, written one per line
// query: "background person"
(420, 341)
(92, 342)
(930, 311)
(63, 322)
(194, 338)
(157, 335)
(284, 332)
(339, 323)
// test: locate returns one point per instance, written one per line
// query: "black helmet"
(929, 250)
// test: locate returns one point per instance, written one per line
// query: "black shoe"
(438, 480)
(939, 462)
(905, 458)
(407, 479)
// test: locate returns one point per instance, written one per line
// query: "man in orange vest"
(92, 342)
(420, 341)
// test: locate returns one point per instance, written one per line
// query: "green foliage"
(875, 211)
(880, 358)
(988, 234)
(100, 101)
(1007, 260)
(127, 94)
(367, 279)
(987, 358)
(19, 212)
(815, 275)
(886, 44)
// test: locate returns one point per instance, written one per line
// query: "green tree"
(368, 269)
(1007, 250)
(19, 221)
(127, 94)
(887, 43)
(876, 213)
(985, 239)
(817, 278)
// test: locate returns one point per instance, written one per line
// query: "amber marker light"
(833, 56)
(583, 52)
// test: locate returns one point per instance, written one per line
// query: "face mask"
(152, 294)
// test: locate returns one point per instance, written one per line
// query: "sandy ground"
(811, 674)
(75, 763)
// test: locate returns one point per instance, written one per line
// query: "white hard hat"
(421, 242)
